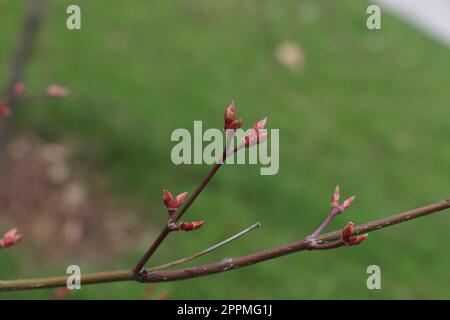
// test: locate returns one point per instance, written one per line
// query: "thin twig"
(228, 264)
(336, 209)
(333, 213)
(177, 216)
(21, 57)
(208, 250)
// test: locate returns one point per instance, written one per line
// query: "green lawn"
(374, 121)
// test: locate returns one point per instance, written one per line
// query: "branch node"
(141, 276)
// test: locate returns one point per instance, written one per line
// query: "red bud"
(235, 124)
(56, 91)
(347, 203)
(189, 226)
(19, 89)
(260, 124)
(347, 232)
(339, 208)
(336, 197)
(5, 110)
(10, 238)
(230, 118)
(167, 197)
(171, 203)
(254, 138)
(230, 112)
(360, 238)
(347, 235)
(180, 198)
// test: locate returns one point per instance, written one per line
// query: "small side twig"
(208, 250)
(336, 209)
(347, 237)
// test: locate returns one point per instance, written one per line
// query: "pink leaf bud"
(168, 200)
(347, 232)
(10, 238)
(336, 197)
(230, 112)
(347, 235)
(254, 138)
(56, 91)
(260, 124)
(360, 238)
(5, 110)
(172, 203)
(189, 226)
(230, 118)
(347, 203)
(180, 198)
(167, 197)
(18, 89)
(235, 124)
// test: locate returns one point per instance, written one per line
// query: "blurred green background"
(364, 109)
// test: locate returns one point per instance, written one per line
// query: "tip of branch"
(336, 197)
(348, 202)
(335, 201)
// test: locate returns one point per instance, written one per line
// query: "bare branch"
(228, 264)
(25, 47)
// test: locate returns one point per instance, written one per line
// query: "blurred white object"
(291, 55)
(432, 16)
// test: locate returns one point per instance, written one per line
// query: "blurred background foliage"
(364, 109)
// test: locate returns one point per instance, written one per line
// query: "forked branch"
(228, 264)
